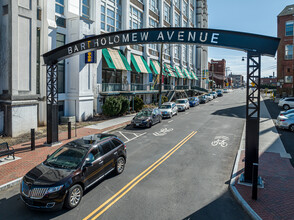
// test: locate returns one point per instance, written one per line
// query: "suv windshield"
(165, 107)
(144, 113)
(67, 157)
(181, 101)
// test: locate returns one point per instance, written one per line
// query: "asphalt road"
(286, 136)
(178, 169)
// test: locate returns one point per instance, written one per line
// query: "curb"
(10, 184)
(232, 187)
(18, 180)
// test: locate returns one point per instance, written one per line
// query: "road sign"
(252, 83)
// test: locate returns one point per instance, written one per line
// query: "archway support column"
(252, 114)
(52, 104)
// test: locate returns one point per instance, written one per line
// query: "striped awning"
(140, 64)
(187, 73)
(179, 72)
(194, 75)
(169, 70)
(115, 59)
(155, 66)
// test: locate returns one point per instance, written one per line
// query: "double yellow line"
(106, 205)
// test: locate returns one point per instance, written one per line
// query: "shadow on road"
(237, 112)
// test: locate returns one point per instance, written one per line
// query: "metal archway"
(254, 45)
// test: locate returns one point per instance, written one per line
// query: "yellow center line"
(141, 176)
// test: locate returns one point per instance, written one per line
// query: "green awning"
(169, 70)
(115, 59)
(186, 72)
(155, 66)
(194, 75)
(179, 72)
(140, 64)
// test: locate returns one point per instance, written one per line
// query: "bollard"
(69, 129)
(254, 181)
(33, 139)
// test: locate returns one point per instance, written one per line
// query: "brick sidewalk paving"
(29, 159)
(276, 199)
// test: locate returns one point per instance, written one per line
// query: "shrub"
(164, 99)
(112, 106)
(125, 104)
(138, 104)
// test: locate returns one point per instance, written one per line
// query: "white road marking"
(162, 132)
(187, 113)
(124, 136)
(170, 121)
(220, 140)
(136, 137)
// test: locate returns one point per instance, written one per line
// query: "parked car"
(168, 109)
(63, 177)
(286, 112)
(203, 99)
(286, 103)
(193, 101)
(225, 91)
(182, 104)
(147, 117)
(219, 93)
(209, 97)
(286, 121)
(213, 94)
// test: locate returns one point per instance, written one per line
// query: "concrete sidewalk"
(11, 171)
(276, 199)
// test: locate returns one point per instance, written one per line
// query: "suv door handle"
(101, 162)
(115, 153)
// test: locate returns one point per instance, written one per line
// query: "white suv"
(286, 103)
(182, 104)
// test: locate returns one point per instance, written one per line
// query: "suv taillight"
(282, 120)
(125, 147)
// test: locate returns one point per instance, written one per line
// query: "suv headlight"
(54, 189)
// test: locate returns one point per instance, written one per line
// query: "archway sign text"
(263, 45)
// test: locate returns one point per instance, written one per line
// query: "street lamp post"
(160, 76)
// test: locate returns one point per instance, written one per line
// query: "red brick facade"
(217, 69)
(285, 66)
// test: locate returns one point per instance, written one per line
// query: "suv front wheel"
(74, 196)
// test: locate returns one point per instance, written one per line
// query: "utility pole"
(160, 76)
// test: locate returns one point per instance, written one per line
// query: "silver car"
(182, 104)
(168, 109)
(286, 121)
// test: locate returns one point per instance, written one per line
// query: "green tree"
(138, 103)
(125, 104)
(112, 106)
(164, 99)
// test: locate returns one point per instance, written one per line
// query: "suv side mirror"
(88, 163)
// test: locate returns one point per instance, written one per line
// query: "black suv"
(147, 117)
(62, 178)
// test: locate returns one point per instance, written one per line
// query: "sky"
(252, 16)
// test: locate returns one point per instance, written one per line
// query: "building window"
(184, 52)
(185, 8)
(136, 18)
(288, 52)
(59, 7)
(185, 23)
(86, 9)
(177, 3)
(111, 16)
(60, 41)
(191, 17)
(153, 5)
(177, 52)
(166, 12)
(166, 49)
(177, 20)
(153, 24)
(191, 54)
(289, 28)
(288, 79)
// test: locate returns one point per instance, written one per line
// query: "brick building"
(217, 69)
(268, 81)
(285, 62)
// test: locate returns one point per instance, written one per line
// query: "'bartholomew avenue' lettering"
(146, 37)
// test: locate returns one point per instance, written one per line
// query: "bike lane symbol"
(220, 140)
